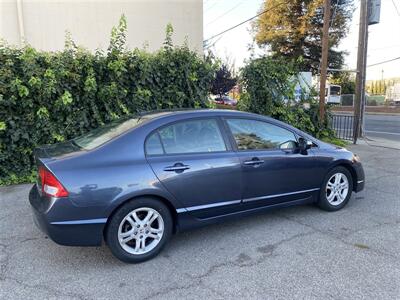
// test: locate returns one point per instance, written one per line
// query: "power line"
(213, 44)
(212, 5)
(224, 14)
(384, 48)
(383, 62)
(395, 6)
(245, 21)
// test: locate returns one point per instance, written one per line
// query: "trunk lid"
(51, 152)
(46, 154)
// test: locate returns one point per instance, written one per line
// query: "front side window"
(255, 135)
(194, 136)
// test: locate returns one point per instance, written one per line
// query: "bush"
(375, 100)
(49, 97)
(268, 85)
(347, 100)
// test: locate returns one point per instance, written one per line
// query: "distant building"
(393, 94)
(43, 23)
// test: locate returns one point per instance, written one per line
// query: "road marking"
(383, 132)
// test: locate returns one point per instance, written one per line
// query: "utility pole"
(359, 103)
(324, 59)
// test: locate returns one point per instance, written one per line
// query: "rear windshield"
(335, 90)
(103, 134)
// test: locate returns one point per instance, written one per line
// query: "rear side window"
(254, 135)
(194, 136)
(153, 145)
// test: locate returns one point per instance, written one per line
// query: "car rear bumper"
(47, 215)
(360, 175)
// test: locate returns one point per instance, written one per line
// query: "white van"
(332, 93)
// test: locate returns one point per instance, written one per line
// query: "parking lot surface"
(292, 253)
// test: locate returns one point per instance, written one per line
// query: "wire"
(224, 14)
(212, 5)
(383, 48)
(245, 21)
(383, 62)
(216, 41)
(395, 6)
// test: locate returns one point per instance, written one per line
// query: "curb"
(367, 113)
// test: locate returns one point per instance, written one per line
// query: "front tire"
(139, 230)
(336, 189)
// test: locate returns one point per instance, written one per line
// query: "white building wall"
(45, 22)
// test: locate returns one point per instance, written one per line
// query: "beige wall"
(90, 21)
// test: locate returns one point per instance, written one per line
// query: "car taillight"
(50, 184)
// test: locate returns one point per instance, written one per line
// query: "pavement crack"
(241, 261)
(48, 289)
(337, 238)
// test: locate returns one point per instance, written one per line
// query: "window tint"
(252, 134)
(153, 145)
(188, 137)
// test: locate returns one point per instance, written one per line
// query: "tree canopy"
(293, 29)
(346, 80)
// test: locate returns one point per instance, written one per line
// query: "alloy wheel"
(141, 230)
(337, 189)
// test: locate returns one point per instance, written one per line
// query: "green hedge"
(48, 97)
(267, 82)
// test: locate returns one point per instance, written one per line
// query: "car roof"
(153, 115)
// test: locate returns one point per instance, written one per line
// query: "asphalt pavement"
(378, 127)
(293, 253)
(383, 126)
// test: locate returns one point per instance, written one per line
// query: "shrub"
(49, 97)
(268, 87)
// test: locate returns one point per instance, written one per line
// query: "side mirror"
(304, 144)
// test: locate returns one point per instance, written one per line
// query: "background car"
(225, 100)
(135, 182)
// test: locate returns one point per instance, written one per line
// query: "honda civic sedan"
(135, 182)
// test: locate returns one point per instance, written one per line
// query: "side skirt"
(186, 221)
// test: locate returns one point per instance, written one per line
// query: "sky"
(383, 43)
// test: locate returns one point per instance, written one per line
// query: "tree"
(267, 82)
(373, 88)
(224, 81)
(293, 29)
(346, 80)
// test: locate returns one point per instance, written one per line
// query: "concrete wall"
(90, 21)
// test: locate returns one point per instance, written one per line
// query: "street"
(383, 126)
(292, 253)
(378, 127)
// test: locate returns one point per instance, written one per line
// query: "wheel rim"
(141, 230)
(337, 189)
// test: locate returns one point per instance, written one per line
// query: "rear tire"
(139, 230)
(336, 189)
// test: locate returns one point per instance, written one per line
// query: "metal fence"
(347, 99)
(343, 126)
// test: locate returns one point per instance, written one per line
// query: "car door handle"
(253, 162)
(176, 168)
